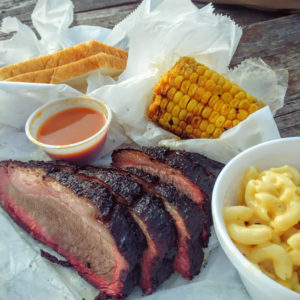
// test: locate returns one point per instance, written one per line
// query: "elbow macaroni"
(265, 226)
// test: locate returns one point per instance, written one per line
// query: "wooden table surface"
(273, 36)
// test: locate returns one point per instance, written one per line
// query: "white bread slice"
(75, 73)
(59, 58)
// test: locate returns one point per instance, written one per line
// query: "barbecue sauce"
(71, 126)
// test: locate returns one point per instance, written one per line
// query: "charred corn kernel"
(194, 101)
(163, 104)
(231, 114)
(189, 128)
(178, 130)
(203, 125)
(199, 93)
(197, 133)
(220, 121)
(191, 105)
(226, 97)
(242, 114)
(184, 101)
(165, 89)
(206, 112)
(210, 129)
(178, 95)
(192, 89)
(213, 117)
(176, 111)
(182, 114)
(172, 80)
(218, 105)
(244, 104)
(198, 109)
(171, 93)
(209, 85)
(225, 109)
(189, 118)
(235, 122)
(217, 133)
(206, 96)
(185, 86)
(194, 77)
(178, 80)
(170, 107)
(213, 100)
(182, 124)
(196, 122)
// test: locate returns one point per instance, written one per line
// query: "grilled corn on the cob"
(194, 101)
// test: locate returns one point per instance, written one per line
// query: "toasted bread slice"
(75, 73)
(60, 58)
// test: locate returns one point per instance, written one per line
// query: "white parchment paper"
(156, 34)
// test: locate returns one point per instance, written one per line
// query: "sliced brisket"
(192, 174)
(70, 214)
(155, 222)
(187, 216)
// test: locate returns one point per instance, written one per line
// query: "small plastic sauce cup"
(80, 152)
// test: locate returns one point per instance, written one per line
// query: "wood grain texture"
(266, 4)
(107, 17)
(243, 16)
(273, 36)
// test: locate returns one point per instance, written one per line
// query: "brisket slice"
(79, 219)
(187, 216)
(192, 174)
(155, 222)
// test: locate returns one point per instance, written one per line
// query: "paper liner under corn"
(194, 101)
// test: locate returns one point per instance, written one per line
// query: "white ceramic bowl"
(80, 152)
(264, 156)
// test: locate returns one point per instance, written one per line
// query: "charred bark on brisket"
(191, 173)
(187, 216)
(149, 212)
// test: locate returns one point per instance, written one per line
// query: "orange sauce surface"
(71, 126)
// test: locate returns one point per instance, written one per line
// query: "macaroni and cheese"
(265, 225)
